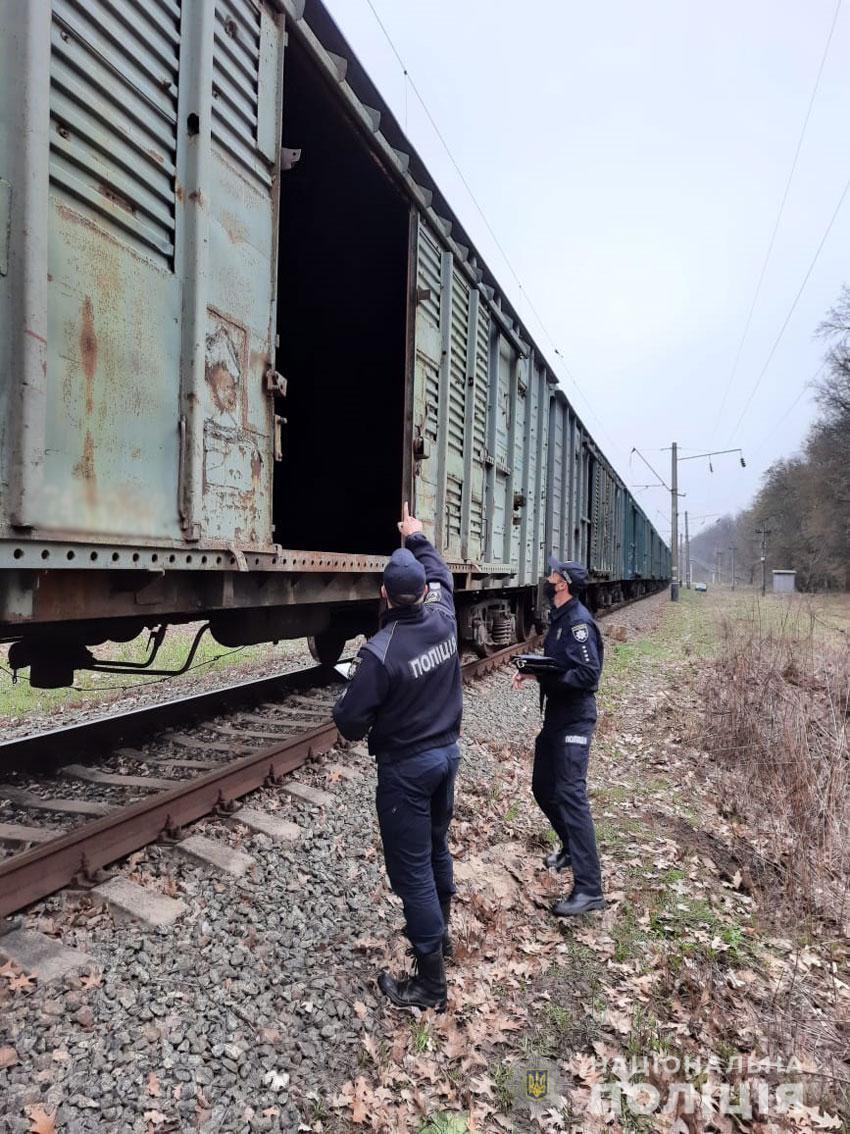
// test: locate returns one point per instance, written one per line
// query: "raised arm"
(418, 544)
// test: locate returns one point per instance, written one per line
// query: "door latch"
(275, 382)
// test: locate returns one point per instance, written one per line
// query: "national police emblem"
(537, 1084)
(580, 631)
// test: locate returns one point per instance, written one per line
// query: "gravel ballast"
(248, 1012)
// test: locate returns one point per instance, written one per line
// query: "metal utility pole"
(687, 555)
(717, 576)
(674, 526)
(733, 550)
(764, 533)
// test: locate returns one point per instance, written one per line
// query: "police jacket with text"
(575, 641)
(406, 691)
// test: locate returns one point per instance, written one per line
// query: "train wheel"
(326, 648)
(485, 649)
(525, 624)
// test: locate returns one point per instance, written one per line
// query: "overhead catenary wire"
(807, 386)
(792, 308)
(410, 81)
(779, 214)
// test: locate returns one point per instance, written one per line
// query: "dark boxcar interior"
(342, 301)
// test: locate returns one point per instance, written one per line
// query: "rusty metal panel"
(244, 53)
(113, 108)
(24, 126)
(427, 407)
(110, 453)
(231, 205)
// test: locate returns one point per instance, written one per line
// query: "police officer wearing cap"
(406, 694)
(561, 751)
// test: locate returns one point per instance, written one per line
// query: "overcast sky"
(631, 159)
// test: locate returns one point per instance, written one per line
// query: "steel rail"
(76, 856)
(51, 746)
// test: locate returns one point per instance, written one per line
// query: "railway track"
(253, 734)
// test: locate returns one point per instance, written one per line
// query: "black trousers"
(559, 784)
(415, 801)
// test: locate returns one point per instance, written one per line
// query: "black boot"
(577, 904)
(558, 860)
(425, 989)
(446, 908)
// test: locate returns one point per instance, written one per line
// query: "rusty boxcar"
(239, 324)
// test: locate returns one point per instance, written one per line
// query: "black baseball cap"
(404, 574)
(574, 573)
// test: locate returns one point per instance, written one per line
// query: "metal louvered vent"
(113, 116)
(238, 63)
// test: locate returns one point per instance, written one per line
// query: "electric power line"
(787, 319)
(778, 216)
(793, 405)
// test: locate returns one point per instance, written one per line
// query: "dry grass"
(777, 709)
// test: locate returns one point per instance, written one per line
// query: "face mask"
(549, 590)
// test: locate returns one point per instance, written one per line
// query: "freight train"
(240, 323)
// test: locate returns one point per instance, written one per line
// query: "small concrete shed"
(784, 582)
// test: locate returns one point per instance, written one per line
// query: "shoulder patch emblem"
(580, 631)
(434, 592)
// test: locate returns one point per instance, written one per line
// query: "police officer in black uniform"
(561, 751)
(406, 693)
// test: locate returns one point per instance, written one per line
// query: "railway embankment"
(712, 993)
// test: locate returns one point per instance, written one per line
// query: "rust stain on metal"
(88, 352)
(256, 468)
(117, 198)
(236, 231)
(179, 193)
(34, 335)
(102, 234)
(222, 386)
(84, 469)
(197, 197)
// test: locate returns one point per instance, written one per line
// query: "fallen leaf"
(360, 1010)
(156, 1117)
(43, 1121)
(276, 1080)
(22, 981)
(153, 1086)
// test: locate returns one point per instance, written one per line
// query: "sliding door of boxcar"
(240, 228)
(452, 331)
(530, 468)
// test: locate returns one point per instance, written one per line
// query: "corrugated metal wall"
(161, 128)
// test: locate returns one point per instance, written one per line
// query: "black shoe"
(425, 989)
(577, 904)
(446, 908)
(557, 860)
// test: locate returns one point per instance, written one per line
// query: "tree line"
(800, 518)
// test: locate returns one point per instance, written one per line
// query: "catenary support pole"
(687, 555)
(674, 526)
